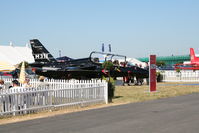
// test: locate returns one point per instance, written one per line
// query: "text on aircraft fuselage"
(41, 56)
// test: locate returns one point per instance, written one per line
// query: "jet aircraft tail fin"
(40, 53)
(192, 55)
(194, 59)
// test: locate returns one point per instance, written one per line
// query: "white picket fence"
(183, 76)
(52, 94)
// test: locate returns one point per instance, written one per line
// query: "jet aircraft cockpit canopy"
(100, 57)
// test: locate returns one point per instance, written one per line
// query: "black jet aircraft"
(85, 68)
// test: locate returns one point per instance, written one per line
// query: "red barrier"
(152, 73)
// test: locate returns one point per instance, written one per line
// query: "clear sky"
(135, 28)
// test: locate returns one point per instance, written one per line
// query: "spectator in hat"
(26, 83)
(42, 84)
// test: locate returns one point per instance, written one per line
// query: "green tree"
(160, 63)
(26, 64)
(178, 70)
(108, 66)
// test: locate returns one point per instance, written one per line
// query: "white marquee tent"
(11, 55)
(134, 61)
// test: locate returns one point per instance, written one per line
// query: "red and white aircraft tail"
(193, 64)
(194, 59)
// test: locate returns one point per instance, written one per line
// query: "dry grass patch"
(129, 94)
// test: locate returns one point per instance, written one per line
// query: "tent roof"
(15, 55)
(5, 66)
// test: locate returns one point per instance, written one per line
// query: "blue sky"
(135, 28)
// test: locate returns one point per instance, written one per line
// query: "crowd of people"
(15, 83)
(131, 79)
(19, 102)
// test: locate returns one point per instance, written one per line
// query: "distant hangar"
(169, 60)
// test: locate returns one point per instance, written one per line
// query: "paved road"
(172, 115)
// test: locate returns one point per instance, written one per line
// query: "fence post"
(82, 93)
(51, 98)
(105, 92)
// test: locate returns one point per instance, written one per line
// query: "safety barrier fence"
(184, 76)
(52, 94)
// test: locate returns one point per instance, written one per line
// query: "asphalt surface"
(171, 115)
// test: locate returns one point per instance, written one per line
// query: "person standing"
(2, 86)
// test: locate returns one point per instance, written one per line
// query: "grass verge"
(130, 94)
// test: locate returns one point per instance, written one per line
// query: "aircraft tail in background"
(40, 53)
(194, 59)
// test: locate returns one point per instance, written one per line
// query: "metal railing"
(184, 76)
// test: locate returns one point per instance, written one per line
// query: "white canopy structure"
(14, 55)
(4, 66)
(134, 61)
